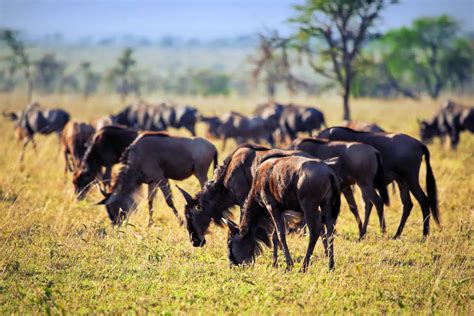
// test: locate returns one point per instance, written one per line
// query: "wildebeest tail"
(431, 187)
(336, 197)
(379, 182)
(216, 161)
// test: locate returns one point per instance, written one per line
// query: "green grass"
(58, 255)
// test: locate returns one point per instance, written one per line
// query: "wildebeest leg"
(314, 222)
(349, 195)
(368, 209)
(370, 196)
(407, 206)
(152, 187)
(422, 199)
(326, 208)
(166, 190)
(224, 140)
(67, 166)
(200, 171)
(276, 244)
(33, 142)
(25, 144)
(279, 222)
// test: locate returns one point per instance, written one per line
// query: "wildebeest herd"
(302, 179)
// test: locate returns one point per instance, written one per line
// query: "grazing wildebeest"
(33, 119)
(157, 117)
(449, 121)
(402, 156)
(240, 127)
(104, 151)
(301, 184)
(295, 119)
(153, 158)
(229, 187)
(363, 126)
(358, 163)
(75, 139)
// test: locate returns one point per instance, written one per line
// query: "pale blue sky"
(203, 19)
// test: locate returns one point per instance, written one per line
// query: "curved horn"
(186, 195)
(233, 228)
(102, 190)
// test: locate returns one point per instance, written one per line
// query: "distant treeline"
(426, 58)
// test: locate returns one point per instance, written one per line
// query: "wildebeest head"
(12, 116)
(245, 244)
(198, 218)
(118, 207)
(213, 125)
(428, 130)
(82, 180)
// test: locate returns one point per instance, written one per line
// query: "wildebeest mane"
(222, 169)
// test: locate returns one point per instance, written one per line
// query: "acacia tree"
(19, 57)
(429, 55)
(123, 75)
(272, 65)
(332, 32)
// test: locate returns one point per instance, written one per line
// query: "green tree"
(332, 32)
(19, 57)
(123, 76)
(429, 54)
(206, 82)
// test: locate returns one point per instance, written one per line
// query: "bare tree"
(19, 56)
(273, 64)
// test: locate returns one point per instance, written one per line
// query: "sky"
(202, 19)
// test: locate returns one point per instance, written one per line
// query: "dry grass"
(57, 255)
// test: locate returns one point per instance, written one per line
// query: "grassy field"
(58, 255)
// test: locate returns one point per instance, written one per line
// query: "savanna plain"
(58, 255)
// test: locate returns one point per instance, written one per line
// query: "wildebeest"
(363, 126)
(449, 121)
(238, 126)
(153, 158)
(229, 187)
(297, 183)
(358, 163)
(75, 139)
(295, 119)
(33, 119)
(402, 156)
(104, 151)
(157, 117)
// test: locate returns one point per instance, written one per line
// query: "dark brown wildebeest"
(301, 184)
(450, 120)
(240, 127)
(402, 156)
(358, 163)
(75, 139)
(295, 119)
(153, 158)
(363, 126)
(33, 119)
(104, 151)
(229, 187)
(157, 117)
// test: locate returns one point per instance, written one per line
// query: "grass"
(61, 256)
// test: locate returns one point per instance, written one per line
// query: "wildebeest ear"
(186, 195)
